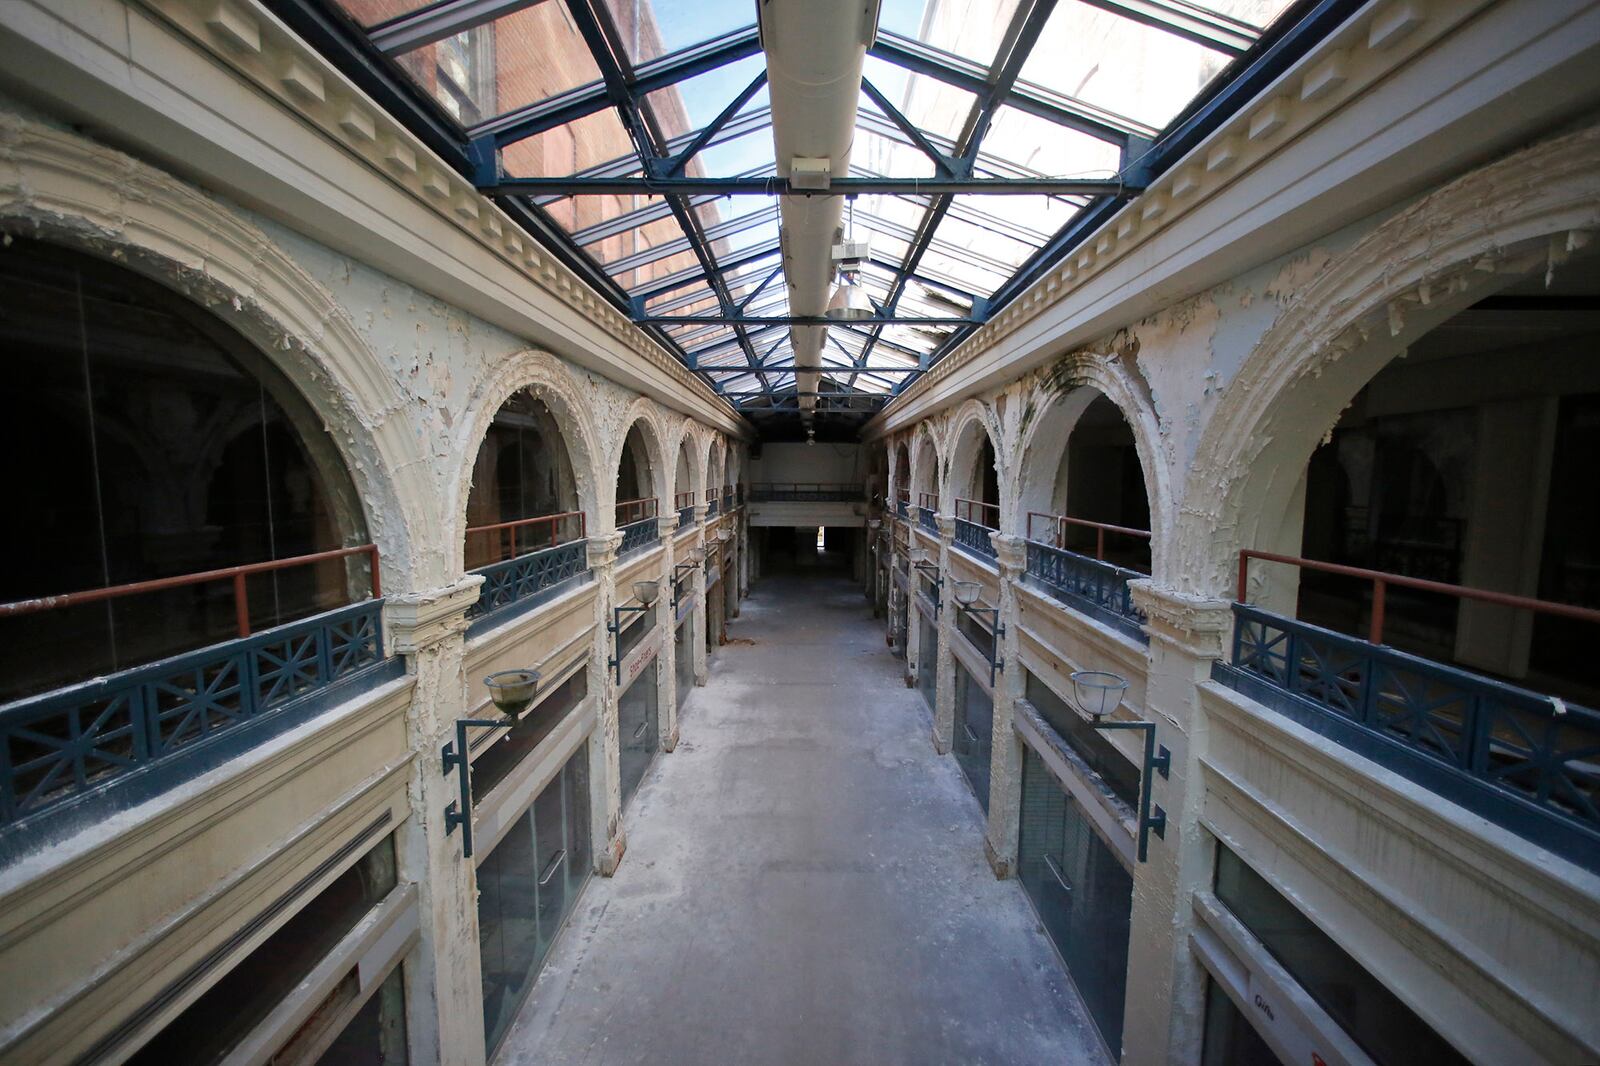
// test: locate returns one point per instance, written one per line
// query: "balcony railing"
(902, 503)
(631, 511)
(1528, 762)
(1096, 588)
(1053, 528)
(805, 492)
(927, 518)
(712, 507)
(727, 498)
(683, 503)
(528, 579)
(976, 523)
(507, 540)
(136, 733)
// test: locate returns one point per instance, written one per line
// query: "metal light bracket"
(615, 629)
(1152, 819)
(691, 568)
(996, 661)
(457, 756)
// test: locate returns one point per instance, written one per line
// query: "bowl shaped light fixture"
(1098, 692)
(966, 592)
(512, 690)
(848, 303)
(646, 591)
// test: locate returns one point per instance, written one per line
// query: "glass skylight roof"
(619, 90)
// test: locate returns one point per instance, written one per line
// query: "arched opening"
(902, 478)
(683, 500)
(714, 482)
(1454, 464)
(637, 506)
(524, 494)
(1422, 571)
(925, 488)
(1082, 484)
(974, 486)
(176, 449)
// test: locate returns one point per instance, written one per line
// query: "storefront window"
(639, 729)
(1230, 1038)
(231, 1009)
(1387, 1030)
(683, 661)
(376, 1036)
(974, 732)
(526, 888)
(928, 662)
(495, 763)
(1082, 893)
(1091, 745)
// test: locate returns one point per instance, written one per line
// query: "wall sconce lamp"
(966, 594)
(1097, 694)
(697, 558)
(646, 593)
(512, 692)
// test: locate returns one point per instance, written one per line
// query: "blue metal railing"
(903, 508)
(520, 581)
(925, 519)
(1506, 753)
(975, 539)
(685, 516)
(139, 732)
(1096, 588)
(712, 507)
(636, 535)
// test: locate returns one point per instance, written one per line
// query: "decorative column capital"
(700, 513)
(603, 549)
(947, 526)
(419, 620)
(1011, 552)
(667, 524)
(1196, 625)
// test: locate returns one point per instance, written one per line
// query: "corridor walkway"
(804, 881)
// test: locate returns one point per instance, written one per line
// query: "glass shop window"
(973, 627)
(495, 763)
(1081, 892)
(638, 728)
(974, 730)
(1091, 744)
(928, 663)
(210, 1027)
(526, 888)
(683, 659)
(151, 441)
(1375, 1018)
(631, 637)
(1230, 1039)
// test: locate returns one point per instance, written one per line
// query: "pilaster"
(944, 703)
(1165, 1021)
(698, 624)
(605, 776)
(445, 1008)
(666, 672)
(1005, 760)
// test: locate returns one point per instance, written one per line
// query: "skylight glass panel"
(935, 107)
(650, 29)
(503, 65)
(374, 12)
(568, 150)
(1038, 146)
(1128, 68)
(972, 29)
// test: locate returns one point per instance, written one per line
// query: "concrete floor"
(804, 881)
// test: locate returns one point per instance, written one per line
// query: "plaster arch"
(1055, 402)
(925, 468)
(688, 473)
(974, 423)
(641, 414)
(715, 460)
(551, 382)
(1482, 232)
(64, 189)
